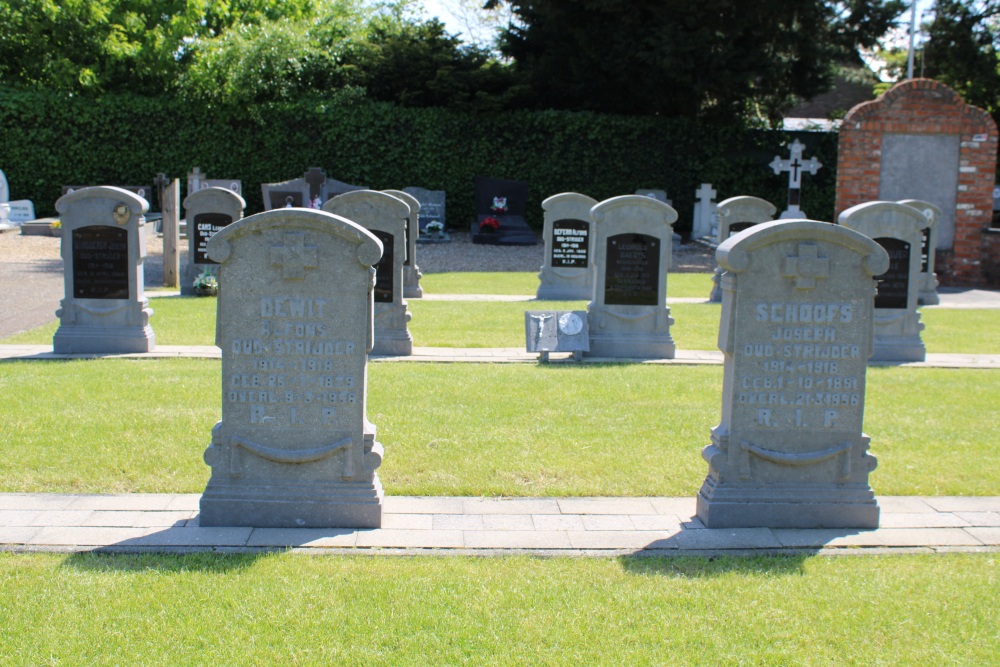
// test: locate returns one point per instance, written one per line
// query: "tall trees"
(723, 59)
(961, 50)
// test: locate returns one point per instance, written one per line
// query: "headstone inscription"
(628, 314)
(704, 211)
(501, 205)
(927, 294)
(568, 271)
(385, 217)
(105, 309)
(899, 229)
(411, 272)
(208, 211)
(432, 209)
(734, 215)
(796, 334)
(795, 166)
(294, 447)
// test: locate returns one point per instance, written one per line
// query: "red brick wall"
(925, 106)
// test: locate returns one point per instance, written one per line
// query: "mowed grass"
(526, 283)
(282, 609)
(111, 426)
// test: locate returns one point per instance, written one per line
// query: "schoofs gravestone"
(796, 332)
(105, 308)
(294, 447)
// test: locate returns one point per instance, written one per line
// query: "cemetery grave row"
(298, 317)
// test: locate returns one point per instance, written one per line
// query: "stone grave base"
(787, 506)
(327, 505)
(112, 340)
(392, 344)
(898, 348)
(564, 293)
(631, 346)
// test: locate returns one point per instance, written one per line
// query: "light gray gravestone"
(704, 211)
(4, 199)
(927, 294)
(294, 447)
(653, 193)
(432, 209)
(199, 181)
(628, 315)
(899, 229)
(105, 309)
(385, 217)
(411, 272)
(795, 166)
(286, 194)
(568, 232)
(734, 215)
(208, 212)
(796, 334)
(548, 331)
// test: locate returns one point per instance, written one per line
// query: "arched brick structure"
(909, 142)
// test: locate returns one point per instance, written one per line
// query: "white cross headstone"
(704, 210)
(794, 166)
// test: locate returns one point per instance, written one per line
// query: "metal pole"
(913, 34)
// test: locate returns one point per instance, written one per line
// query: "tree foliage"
(962, 50)
(722, 59)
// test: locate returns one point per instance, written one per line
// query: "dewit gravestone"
(294, 447)
(103, 246)
(796, 333)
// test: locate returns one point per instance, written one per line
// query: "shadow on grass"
(694, 567)
(108, 560)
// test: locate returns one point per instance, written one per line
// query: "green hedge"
(49, 140)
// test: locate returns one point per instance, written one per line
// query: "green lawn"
(279, 609)
(113, 426)
(526, 283)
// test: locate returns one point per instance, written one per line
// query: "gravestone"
(899, 229)
(144, 191)
(411, 272)
(548, 331)
(22, 210)
(568, 271)
(795, 166)
(432, 209)
(628, 315)
(734, 215)
(4, 200)
(796, 334)
(704, 211)
(208, 211)
(927, 294)
(198, 181)
(385, 217)
(653, 193)
(294, 448)
(309, 191)
(504, 202)
(105, 309)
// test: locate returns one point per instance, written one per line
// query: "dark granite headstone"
(207, 225)
(570, 243)
(384, 269)
(100, 262)
(894, 284)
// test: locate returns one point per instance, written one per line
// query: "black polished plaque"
(384, 280)
(737, 227)
(925, 251)
(100, 262)
(570, 243)
(894, 284)
(632, 271)
(207, 225)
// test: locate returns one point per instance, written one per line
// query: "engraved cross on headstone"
(807, 267)
(795, 168)
(294, 256)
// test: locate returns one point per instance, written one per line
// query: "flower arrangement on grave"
(489, 224)
(435, 227)
(206, 284)
(499, 205)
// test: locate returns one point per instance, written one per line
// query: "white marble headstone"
(568, 235)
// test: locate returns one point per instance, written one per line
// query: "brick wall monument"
(920, 140)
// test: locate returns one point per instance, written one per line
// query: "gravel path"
(31, 269)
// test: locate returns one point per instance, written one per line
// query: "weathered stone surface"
(208, 211)
(411, 272)
(294, 447)
(796, 333)
(734, 215)
(927, 294)
(105, 308)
